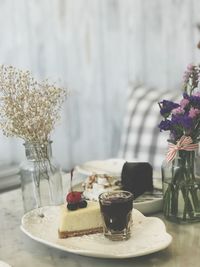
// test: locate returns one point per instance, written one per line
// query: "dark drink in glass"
(116, 209)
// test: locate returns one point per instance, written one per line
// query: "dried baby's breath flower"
(28, 109)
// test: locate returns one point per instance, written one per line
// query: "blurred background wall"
(96, 48)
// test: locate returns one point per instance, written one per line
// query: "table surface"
(19, 250)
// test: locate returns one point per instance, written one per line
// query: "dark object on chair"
(137, 177)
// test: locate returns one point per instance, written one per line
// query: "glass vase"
(181, 187)
(41, 180)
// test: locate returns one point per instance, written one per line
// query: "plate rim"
(4, 264)
(167, 241)
(80, 167)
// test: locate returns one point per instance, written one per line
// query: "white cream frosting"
(97, 184)
(102, 181)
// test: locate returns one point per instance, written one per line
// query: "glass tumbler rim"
(108, 193)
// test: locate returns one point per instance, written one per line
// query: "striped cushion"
(141, 138)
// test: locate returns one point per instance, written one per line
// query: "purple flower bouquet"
(181, 169)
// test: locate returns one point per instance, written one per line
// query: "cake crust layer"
(80, 233)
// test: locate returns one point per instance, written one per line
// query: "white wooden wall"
(97, 48)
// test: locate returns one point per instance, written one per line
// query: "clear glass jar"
(41, 180)
(181, 187)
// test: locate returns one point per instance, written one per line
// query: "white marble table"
(20, 251)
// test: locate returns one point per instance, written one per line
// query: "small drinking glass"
(116, 210)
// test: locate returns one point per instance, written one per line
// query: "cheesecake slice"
(81, 221)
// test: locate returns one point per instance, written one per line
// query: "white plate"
(148, 203)
(148, 235)
(109, 166)
(4, 264)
